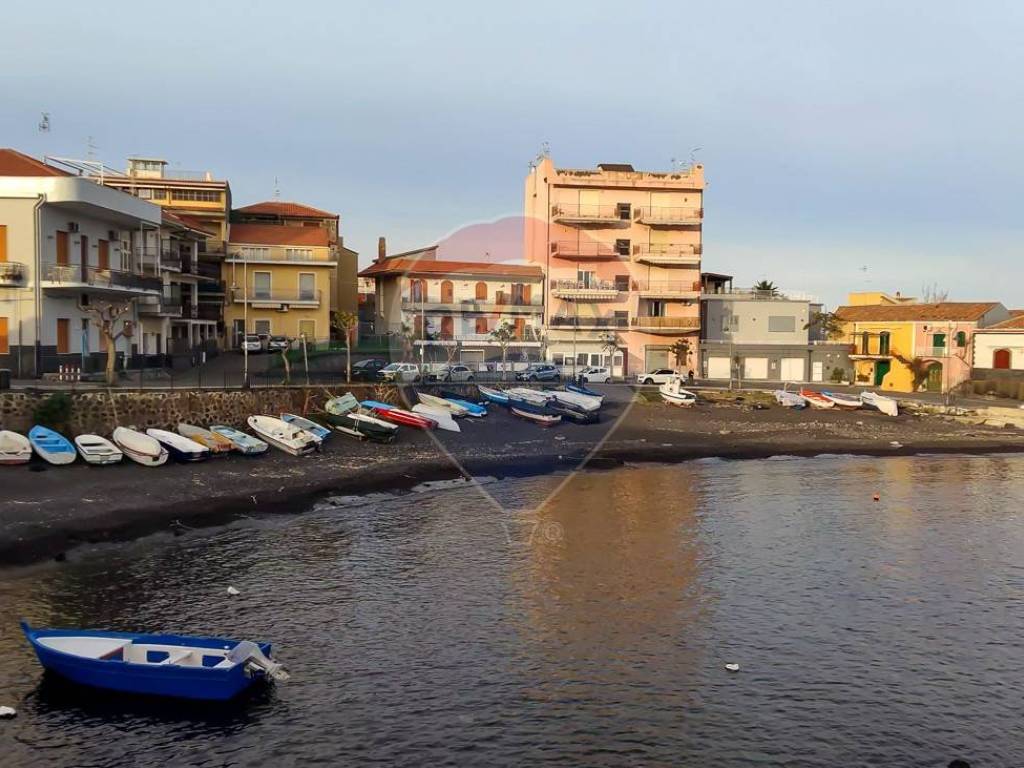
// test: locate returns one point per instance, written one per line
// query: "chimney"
(382, 249)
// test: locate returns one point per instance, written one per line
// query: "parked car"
(277, 343)
(596, 375)
(368, 370)
(657, 376)
(538, 372)
(251, 343)
(457, 372)
(400, 372)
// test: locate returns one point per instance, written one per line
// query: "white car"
(251, 342)
(596, 375)
(657, 376)
(400, 372)
(454, 373)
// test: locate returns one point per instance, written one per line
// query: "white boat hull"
(886, 405)
(97, 450)
(537, 418)
(439, 402)
(14, 448)
(283, 436)
(442, 416)
(673, 394)
(140, 448)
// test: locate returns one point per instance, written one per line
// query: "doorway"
(934, 381)
(882, 368)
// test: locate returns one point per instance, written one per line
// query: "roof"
(1015, 323)
(182, 221)
(199, 224)
(277, 234)
(399, 266)
(945, 310)
(15, 163)
(1016, 312)
(285, 208)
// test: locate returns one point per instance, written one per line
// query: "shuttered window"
(5, 346)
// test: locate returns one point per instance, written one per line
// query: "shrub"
(54, 412)
(838, 374)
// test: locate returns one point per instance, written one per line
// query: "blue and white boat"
(580, 389)
(473, 409)
(493, 395)
(158, 665)
(319, 431)
(244, 443)
(51, 446)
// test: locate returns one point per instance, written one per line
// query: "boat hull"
(365, 427)
(816, 399)
(540, 419)
(177, 448)
(493, 395)
(52, 446)
(97, 450)
(245, 444)
(140, 448)
(14, 448)
(398, 415)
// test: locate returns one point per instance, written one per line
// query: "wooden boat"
(441, 416)
(284, 437)
(672, 392)
(319, 431)
(51, 446)
(789, 399)
(583, 402)
(397, 415)
(886, 405)
(440, 402)
(492, 395)
(180, 448)
(473, 409)
(843, 401)
(139, 447)
(218, 444)
(345, 415)
(98, 450)
(242, 442)
(159, 665)
(816, 399)
(14, 448)
(541, 419)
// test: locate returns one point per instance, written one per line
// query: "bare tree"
(287, 363)
(933, 294)
(106, 315)
(344, 323)
(504, 334)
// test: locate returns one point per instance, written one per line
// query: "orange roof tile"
(1015, 323)
(400, 266)
(946, 310)
(277, 234)
(183, 221)
(208, 227)
(285, 208)
(15, 163)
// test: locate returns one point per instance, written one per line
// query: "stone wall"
(100, 411)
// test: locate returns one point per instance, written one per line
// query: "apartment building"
(621, 254)
(763, 335)
(67, 243)
(449, 309)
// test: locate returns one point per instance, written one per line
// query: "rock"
(725, 431)
(232, 591)
(7, 712)
(733, 667)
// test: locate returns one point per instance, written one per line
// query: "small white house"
(998, 350)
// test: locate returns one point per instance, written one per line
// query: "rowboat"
(569, 411)
(492, 395)
(886, 405)
(440, 416)
(537, 397)
(583, 391)
(345, 415)
(14, 448)
(243, 443)
(140, 448)
(319, 431)
(180, 448)
(51, 446)
(673, 393)
(541, 419)
(178, 666)
(440, 402)
(584, 402)
(398, 416)
(843, 401)
(473, 409)
(218, 444)
(282, 436)
(98, 450)
(789, 399)
(816, 399)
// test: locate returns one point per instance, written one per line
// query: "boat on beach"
(51, 446)
(541, 419)
(495, 396)
(218, 444)
(575, 399)
(319, 431)
(579, 388)
(397, 415)
(886, 405)
(572, 412)
(789, 399)
(95, 449)
(346, 415)
(283, 436)
(439, 402)
(841, 400)
(177, 666)
(472, 409)
(672, 392)
(139, 447)
(816, 399)
(14, 448)
(180, 448)
(536, 397)
(440, 416)
(242, 442)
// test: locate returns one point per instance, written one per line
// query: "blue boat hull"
(203, 683)
(580, 390)
(474, 409)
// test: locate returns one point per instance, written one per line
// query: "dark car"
(367, 370)
(538, 372)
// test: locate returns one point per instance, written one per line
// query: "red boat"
(816, 399)
(405, 418)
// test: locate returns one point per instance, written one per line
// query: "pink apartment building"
(621, 254)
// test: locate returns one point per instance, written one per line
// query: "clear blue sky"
(836, 137)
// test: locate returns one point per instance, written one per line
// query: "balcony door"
(261, 285)
(307, 286)
(3, 243)
(62, 249)
(103, 256)
(447, 292)
(586, 278)
(481, 291)
(84, 243)
(447, 325)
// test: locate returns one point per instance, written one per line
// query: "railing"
(665, 322)
(210, 312)
(11, 272)
(586, 285)
(672, 251)
(529, 335)
(667, 286)
(208, 269)
(584, 212)
(179, 175)
(683, 178)
(471, 305)
(170, 260)
(935, 352)
(75, 274)
(589, 322)
(589, 249)
(750, 293)
(670, 215)
(284, 297)
(281, 256)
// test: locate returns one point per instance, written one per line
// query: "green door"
(935, 377)
(881, 369)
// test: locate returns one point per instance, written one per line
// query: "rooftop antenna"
(90, 147)
(277, 189)
(545, 152)
(44, 123)
(693, 155)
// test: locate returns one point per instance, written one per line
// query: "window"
(307, 286)
(519, 293)
(481, 325)
(5, 344)
(621, 318)
(961, 339)
(622, 282)
(624, 211)
(938, 340)
(781, 324)
(595, 359)
(298, 254)
(481, 291)
(520, 324)
(586, 279)
(447, 327)
(261, 285)
(447, 292)
(556, 359)
(159, 194)
(656, 308)
(63, 335)
(201, 195)
(257, 253)
(262, 327)
(307, 328)
(417, 290)
(622, 247)
(146, 193)
(883, 343)
(581, 358)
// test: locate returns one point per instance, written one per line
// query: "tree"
(344, 323)
(766, 286)
(504, 334)
(610, 348)
(829, 323)
(932, 294)
(408, 337)
(106, 315)
(681, 351)
(287, 364)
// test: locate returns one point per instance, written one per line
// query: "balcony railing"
(210, 312)
(11, 273)
(676, 254)
(750, 293)
(670, 216)
(589, 322)
(208, 269)
(471, 305)
(586, 285)
(681, 323)
(275, 297)
(935, 352)
(591, 214)
(682, 288)
(282, 255)
(75, 276)
(568, 249)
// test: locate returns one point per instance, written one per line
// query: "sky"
(855, 146)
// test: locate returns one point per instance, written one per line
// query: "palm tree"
(766, 286)
(681, 350)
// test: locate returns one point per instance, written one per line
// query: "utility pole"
(245, 323)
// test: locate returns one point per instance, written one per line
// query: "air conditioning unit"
(283, 308)
(72, 226)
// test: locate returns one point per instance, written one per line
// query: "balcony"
(170, 261)
(934, 352)
(114, 283)
(589, 322)
(667, 289)
(670, 216)
(585, 290)
(276, 299)
(12, 274)
(167, 305)
(668, 325)
(683, 255)
(593, 215)
(590, 250)
(210, 270)
(283, 257)
(530, 338)
(213, 312)
(471, 305)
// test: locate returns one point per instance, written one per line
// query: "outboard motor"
(248, 653)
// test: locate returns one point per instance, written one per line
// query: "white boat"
(886, 405)
(789, 399)
(442, 416)
(541, 419)
(97, 450)
(439, 402)
(672, 392)
(536, 397)
(816, 399)
(180, 448)
(243, 442)
(218, 444)
(14, 448)
(583, 402)
(842, 401)
(283, 436)
(140, 448)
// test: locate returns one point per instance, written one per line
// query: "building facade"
(621, 254)
(752, 335)
(999, 350)
(450, 309)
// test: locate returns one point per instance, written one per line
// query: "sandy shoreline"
(46, 513)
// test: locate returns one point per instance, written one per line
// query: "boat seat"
(177, 657)
(223, 663)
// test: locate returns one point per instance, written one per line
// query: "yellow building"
(278, 281)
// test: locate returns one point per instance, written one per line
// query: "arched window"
(417, 290)
(1001, 359)
(447, 326)
(481, 291)
(447, 292)
(961, 339)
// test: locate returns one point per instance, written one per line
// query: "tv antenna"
(90, 147)
(44, 123)
(277, 189)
